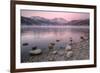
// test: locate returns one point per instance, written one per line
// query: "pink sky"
(50, 14)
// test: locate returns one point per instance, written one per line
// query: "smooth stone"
(68, 48)
(35, 52)
(54, 52)
(50, 46)
(69, 54)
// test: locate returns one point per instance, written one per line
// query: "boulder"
(35, 52)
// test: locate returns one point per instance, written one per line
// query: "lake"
(41, 36)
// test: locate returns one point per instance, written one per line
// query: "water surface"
(44, 35)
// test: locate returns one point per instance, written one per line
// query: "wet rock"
(34, 48)
(82, 39)
(57, 40)
(51, 46)
(54, 52)
(35, 52)
(71, 39)
(25, 44)
(69, 54)
(68, 48)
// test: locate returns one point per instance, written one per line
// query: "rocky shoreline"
(74, 51)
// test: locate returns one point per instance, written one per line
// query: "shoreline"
(80, 51)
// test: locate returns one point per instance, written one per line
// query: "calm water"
(42, 36)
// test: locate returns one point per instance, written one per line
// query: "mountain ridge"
(37, 20)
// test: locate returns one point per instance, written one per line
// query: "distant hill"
(59, 20)
(26, 21)
(79, 22)
(37, 20)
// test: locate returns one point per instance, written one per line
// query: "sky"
(51, 14)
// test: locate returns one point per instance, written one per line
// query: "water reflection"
(50, 34)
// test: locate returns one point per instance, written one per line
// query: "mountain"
(37, 20)
(40, 20)
(26, 21)
(78, 22)
(59, 20)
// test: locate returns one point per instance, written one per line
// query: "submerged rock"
(34, 48)
(57, 40)
(35, 52)
(52, 44)
(25, 44)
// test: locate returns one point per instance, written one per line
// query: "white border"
(58, 63)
